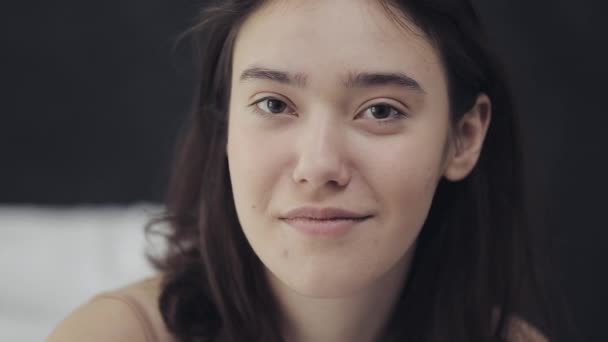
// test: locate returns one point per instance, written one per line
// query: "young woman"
(351, 172)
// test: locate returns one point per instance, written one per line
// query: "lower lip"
(324, 227)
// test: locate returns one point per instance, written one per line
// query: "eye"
(383, 112)
(270, 105)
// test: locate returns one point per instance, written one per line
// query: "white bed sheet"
(54, 259)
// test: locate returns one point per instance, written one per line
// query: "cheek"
(412, 179)
(410, 196)
(404, 182)
(413, 161)
(255, 165)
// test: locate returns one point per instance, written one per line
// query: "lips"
(324, 222)
(321, 214)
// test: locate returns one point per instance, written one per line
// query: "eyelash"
(399, 115)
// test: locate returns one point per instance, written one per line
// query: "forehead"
(323, 39)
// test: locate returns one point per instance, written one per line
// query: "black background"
(92, 96)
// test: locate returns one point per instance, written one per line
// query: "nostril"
(335, 181)
(321, 170)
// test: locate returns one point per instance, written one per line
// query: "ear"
(466, 140)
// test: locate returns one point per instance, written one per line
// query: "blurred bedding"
(53, 259)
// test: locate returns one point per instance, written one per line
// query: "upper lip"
(322, 214)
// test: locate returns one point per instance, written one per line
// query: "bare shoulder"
(522, 331)
(125, 314)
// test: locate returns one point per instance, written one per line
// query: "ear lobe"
(467, 139)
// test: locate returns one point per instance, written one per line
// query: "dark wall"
(557, 52)
(92, 97)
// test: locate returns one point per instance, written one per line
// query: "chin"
(325, 283)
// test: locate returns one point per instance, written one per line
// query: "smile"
(334, 227)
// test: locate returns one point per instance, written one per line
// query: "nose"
(322, 159)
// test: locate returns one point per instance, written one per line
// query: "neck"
(359, 317)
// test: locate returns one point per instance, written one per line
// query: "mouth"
(323, 214)
(332, 227)
(328, 219)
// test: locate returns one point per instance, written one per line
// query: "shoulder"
(523, 331)
(518, 329)
(126, 314)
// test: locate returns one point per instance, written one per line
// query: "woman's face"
(334, 105)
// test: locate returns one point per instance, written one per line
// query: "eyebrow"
(353, 80)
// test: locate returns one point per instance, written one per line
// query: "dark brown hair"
(474, 253)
